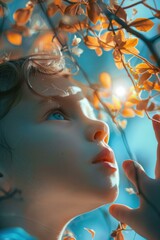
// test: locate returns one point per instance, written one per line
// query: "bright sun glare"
(120, 91)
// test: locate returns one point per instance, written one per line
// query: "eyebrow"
(48, 100)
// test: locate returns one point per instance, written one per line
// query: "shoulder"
(15, 234)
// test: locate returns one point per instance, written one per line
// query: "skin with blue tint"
(55, 141)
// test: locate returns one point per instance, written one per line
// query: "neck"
(44, 216)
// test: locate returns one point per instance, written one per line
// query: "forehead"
(55, 86)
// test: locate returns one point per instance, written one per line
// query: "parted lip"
(106, 155)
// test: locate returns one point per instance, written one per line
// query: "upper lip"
(106, 155)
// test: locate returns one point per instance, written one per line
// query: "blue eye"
(56, 116)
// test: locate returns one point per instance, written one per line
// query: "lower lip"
(109, 165)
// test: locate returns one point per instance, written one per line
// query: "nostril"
(98, 135)
(101, 136)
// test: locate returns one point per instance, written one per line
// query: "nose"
(97, 131)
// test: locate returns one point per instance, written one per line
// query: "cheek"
(48, 152)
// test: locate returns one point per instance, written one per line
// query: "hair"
(14, 73)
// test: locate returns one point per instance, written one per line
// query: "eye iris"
(58, 116)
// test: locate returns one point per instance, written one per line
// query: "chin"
(112, 194)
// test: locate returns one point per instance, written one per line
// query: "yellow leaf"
(139, 113)
(131, 42)
(14, 38)
(116, 103)
(91, 42)
(91, 231)
(132, 99)
(128, 112)
(143, 67)
(123, 123)
(107, 41)
(118, 59)
(131, 50)
(110, 106)
(142, 24)
(105, 80)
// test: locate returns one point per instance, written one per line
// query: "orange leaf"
(131, 50)
(131, 42)
(91, 42)
(117, 55)
(72, 9)
(22, 15)
(142, 24)
(107, 41)
(69, 238)
(132, 100)
(117, 234)
(144, 77)
(151, 107)
(93, 11)
(157, 15)
(148, 85)
(95, 101)
(118, 59)
(140, 113)
(128, 112)
(14, 38)
(134, 74)
(99, 51)
(44, 42)
(120, 12)
(74, 27)
(91, 231)
(105, 80)
(52, 9)
(142, 105)
(157, 87)
(143, 67)
(119, 38)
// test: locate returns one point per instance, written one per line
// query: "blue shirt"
(15, 234)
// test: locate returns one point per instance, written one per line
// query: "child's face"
(54, 148)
